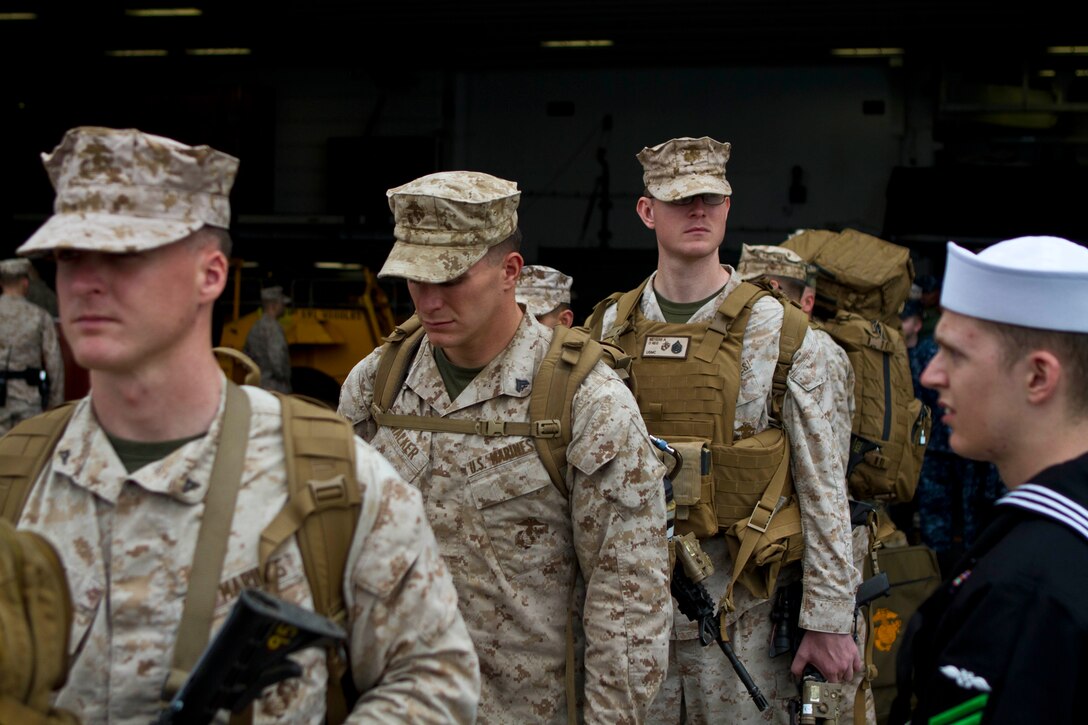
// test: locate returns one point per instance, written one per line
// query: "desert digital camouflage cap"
(274, 294)
(757, 260)
(685, 167)
(122, 190)
(446, 222)
(542, 289)
(12, 268)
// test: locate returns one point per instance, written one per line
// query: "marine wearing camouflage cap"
(542, 289)
(683, 167)
(757, 260)
(14, 269)
(446, 222)
(122, 190)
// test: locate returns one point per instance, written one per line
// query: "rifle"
(818, 700)
(248, 654)
(692, 598)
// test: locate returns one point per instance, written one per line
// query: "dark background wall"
(969, 130)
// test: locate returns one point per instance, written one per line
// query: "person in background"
(31, 365)
(266, 342)
(545, 292)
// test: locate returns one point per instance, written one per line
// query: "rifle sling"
(211, 544)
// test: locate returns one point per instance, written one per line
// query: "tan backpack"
(862, 283)
(322, 508)
(571, 355)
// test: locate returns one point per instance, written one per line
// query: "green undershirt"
(135, 455)
(455, 377)
(681, 312)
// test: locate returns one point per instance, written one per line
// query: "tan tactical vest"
(687, 378)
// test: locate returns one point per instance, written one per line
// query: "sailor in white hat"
(1005, 638)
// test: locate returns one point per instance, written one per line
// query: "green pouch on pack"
(914, 575)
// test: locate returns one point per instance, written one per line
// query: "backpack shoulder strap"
(322, 510)
(570, 357)
(400, 348)
(794, 328)
(24, 452)
(721, 327)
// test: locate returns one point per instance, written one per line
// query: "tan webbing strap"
(211, 544)
(12, 711)
(549, 428)
(718, 330)
(322, 512)
(758, 522)
(571, 355)
(395, 359)
(794, 329)
(626, 304)
(24, 452)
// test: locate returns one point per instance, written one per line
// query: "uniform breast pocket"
(524, 517)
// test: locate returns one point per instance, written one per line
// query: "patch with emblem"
(521, 384)
(663, 346)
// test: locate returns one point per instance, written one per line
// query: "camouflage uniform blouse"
(514, 544)
(127, 541)
(266, 343)
(817, 416)
(28, 339)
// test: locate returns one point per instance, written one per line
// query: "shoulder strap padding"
(571, 355)
(322, 511)
(24, 452)
(399, 350)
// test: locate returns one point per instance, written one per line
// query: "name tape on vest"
(660, 346)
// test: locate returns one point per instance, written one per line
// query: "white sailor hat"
(1038, 282)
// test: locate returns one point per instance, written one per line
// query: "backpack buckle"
(330, 492)
(761, 517)
(550, 428)
(490, 428)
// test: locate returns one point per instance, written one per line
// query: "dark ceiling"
(70, 38)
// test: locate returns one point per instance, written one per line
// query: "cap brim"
(688, 185)
(110, 233)
(431, 263)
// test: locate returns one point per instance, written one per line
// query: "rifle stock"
(248, 654)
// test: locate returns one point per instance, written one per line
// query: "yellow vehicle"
(331, 324)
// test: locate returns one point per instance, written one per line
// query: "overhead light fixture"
(1047, 73)
(576, 43)
(1068, 50)
(1081, 73)
(164, 12)
(137, 53)
(338, 265)
(218, 51)
(18, 16)
(867, 52)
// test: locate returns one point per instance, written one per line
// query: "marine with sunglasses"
(701, 384)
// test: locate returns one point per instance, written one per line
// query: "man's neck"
(158, 403)
(485, 348)
(687, 280)
(1048, 447)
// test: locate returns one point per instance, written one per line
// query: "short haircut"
(1071, 348)
(497, 253)
(219, 235)
(789, 286)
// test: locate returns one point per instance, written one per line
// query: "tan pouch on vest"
(693, 488)
(765, 534)
(741, 473)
